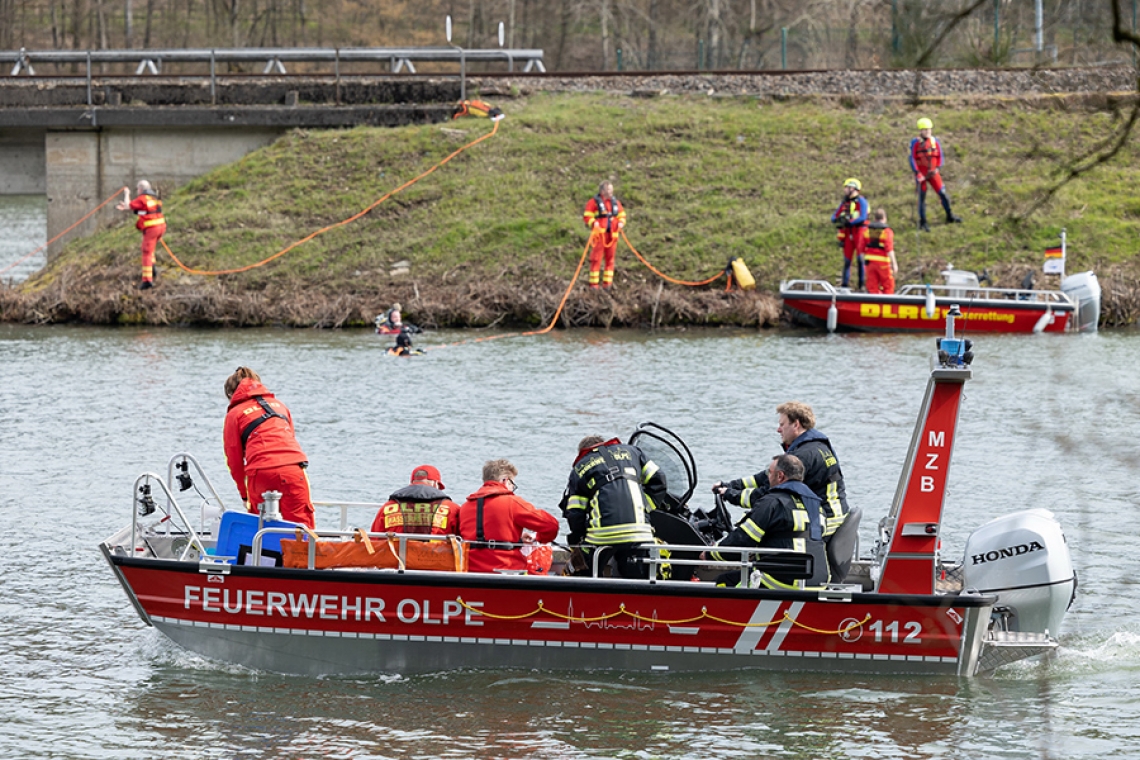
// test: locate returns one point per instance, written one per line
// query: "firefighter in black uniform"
(612, 489)
(784, 515)
(822, 473)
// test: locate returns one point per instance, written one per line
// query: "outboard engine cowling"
(1023, 558)
(1084, 288)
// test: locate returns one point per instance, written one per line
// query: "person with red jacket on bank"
(926, 163)
(492, 520)
(605, 217)
(850, 217)
(261, 449)
(879, 254)
(147, 206)
(421, 507)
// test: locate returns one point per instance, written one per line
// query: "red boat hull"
(319, 621)
(907, 313)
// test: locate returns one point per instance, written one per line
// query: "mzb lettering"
(326, 606)
(891, 311)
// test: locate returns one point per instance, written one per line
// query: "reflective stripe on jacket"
(610, 493)
(149, 210)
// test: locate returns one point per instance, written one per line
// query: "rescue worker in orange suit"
(261, 449)
(786, 515)
(492, 521)
(611, 491)
(850, 217)
(879, 255)
(421, 507)
(605, 217)
(926, 163)
(147, 206)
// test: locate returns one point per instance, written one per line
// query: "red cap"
(427, 472)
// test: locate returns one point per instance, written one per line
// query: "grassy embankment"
(496, 234)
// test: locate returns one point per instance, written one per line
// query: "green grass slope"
(703, 179)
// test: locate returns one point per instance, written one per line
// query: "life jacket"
(150, 214)
(874, 243)
(269, 414)
(415, 509)
(477, 108)
(925, 154)
(614, 211)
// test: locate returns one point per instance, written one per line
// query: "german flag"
(1055, 253)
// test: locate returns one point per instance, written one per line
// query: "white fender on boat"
(832, 316)
(1044, 321)
(930, 304)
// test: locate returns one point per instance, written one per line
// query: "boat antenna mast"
(908, 545)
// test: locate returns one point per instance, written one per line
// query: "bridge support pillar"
(83, 167)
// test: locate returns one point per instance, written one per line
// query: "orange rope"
(82, 219)
(544, 330)
(341, 223)
(661, 274)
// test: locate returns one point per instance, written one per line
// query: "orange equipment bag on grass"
(362, 551)
(477, 108)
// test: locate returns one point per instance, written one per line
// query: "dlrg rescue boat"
(254, 591)
(1073, 308)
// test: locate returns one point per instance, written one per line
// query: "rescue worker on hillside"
(784, 515)
(926, 163)
(850, 217)
(822, 474)
(611, 491)
(605, 218)
(492, 521)
(879, 254)
(421, 507)
(147, 206)
(262, 450)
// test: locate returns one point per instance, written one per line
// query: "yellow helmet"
(925, 124)
(853, 183)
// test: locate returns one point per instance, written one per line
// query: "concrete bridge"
(77, 139)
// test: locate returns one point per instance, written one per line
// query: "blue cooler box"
(235, 538)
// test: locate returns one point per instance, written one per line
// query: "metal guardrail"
(398, 59)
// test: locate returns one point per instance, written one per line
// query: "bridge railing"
(150, 61)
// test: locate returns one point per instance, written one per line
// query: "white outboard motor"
(1084, 288)
(1023, 558)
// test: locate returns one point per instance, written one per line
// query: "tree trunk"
(511, 24)
(605, 35)
(148, 26)
(651, 52)
(128, 25)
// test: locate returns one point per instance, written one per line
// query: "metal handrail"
(201, 473)
(344, 507)
(941, 291)
(402, 539)
(194, 540)
(150, 60)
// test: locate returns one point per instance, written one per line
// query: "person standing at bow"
(261, 449)
(850, 217)
(605, 217)
(147, 206)
(926, 163)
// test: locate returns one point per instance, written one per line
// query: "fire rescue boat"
(1074, 308)
(259, 592)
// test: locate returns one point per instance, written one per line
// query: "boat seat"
(841, 545)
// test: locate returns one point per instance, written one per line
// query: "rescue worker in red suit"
(147, 206)
(879, 255)
(850, 217)
(605, 217)
(421, 507)
(493, 518)
(926, 163)
(261, 450)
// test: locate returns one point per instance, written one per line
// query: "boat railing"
(808, 286)
(178, 470)
(344, 506)
(966, 293)
(171, 515)
(764, 559)
(402, 540)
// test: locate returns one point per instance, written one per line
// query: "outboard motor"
(1084, 288)
(1023, 558)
